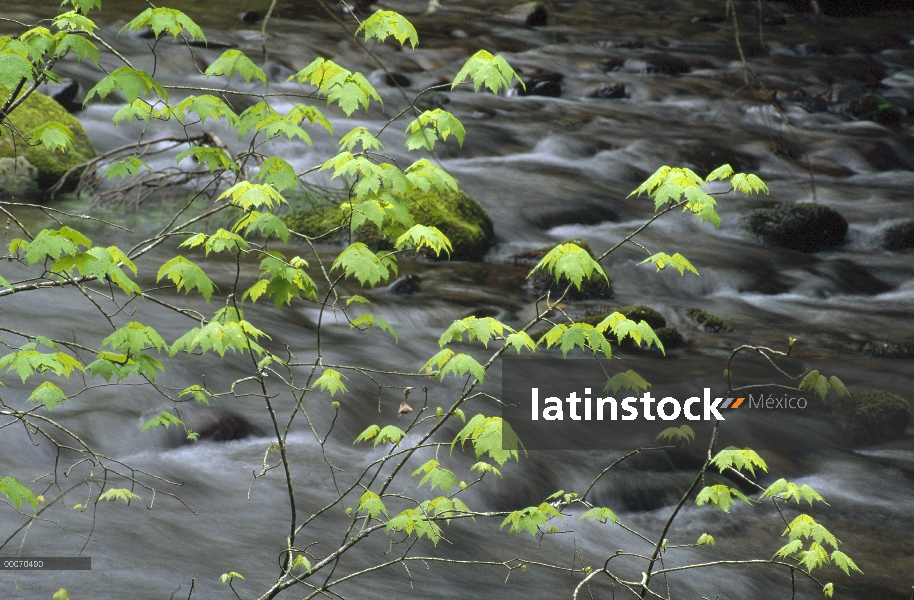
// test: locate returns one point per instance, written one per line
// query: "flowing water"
(546, 169)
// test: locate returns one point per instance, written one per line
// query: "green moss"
(37, 110)
(466, 224)
(708, 321)
(872, 416)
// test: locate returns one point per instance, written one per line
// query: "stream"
(546, 169)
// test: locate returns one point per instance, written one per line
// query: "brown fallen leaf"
(405, 409)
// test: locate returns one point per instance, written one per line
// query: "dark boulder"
(667, 64)
(64, 92)
(405, 286)
(394, 79)
(807, 227)
(531, 14)
(610, 91)
(251, 16)
(545, 84)
(874, 107)
(899, 236)
(872, 416)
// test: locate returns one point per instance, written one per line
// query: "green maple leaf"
(602, 515)
(483, 68)
(519, 340)
(247, 195)
(331, 381)
(73, 21)
(386, 23)
(185, 274)
(420, 236)
(207, 106)
(530, 519)
(266, 223)
(371, 505)
(165, 419)
(214, 158)
(131, 82)
(134, 337)
(47, 394)
(119, 494)
(360, 262)
(739, 459)
(370, 321)
(84, 6)
(628, 380)
(427, 127)
(436, 476)
(490, 435)
(424, 175)
(234, 61)
(360, 135)
(278, 173)
(662, 260)
(570, 261)
(17, 493)
(720, 496)
(53, 136)
(166, 19)
(14, 67)
(80, 45)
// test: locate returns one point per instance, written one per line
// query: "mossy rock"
(37, 110)
(17, 177)
(872, 416)
(595, 288)
(708, 321)
(463, 220)
(899, 236)
(807, 227)
(874, 107)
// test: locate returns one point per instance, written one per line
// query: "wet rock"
(458, 216)
(50, 165)
(610, 91)
(394, 79)
(595, 288)
(545, 84)
(775, 21)
(578, 213)
(531, 14)
(17, 177)
(222, 427)
(612, 63)
(899, 236)
(887, 154)
(667, 64)
(857, 8)
(886, 350)
(64, 92)
(872, 416)
(432, 100)
(709, 19)
(708, 321)
(251, 16)
(671, 338)
(874, 107)
(807, 227)
(405, 286)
